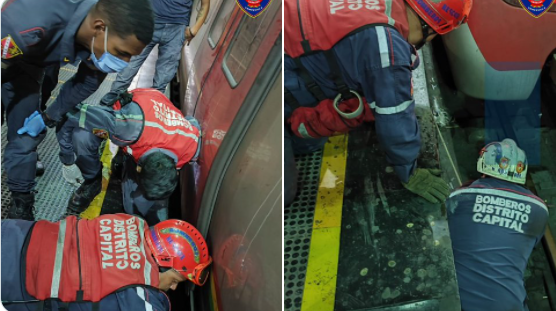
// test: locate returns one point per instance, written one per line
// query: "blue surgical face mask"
(107, 63)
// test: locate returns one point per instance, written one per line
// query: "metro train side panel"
(219, 73)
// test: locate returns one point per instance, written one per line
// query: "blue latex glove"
(33, 125)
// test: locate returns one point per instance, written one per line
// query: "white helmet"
(503, 160)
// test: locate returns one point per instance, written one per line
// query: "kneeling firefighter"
(363, 52)
(153, 134)
(494, 224)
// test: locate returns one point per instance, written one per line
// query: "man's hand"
(72, 174)
(33, 125)
(428, 184)
(188, 35)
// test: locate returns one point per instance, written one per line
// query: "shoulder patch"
(10, 48)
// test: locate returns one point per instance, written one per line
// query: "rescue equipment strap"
(336, 74)
(305, 43)
(290, 99)
(310, 83)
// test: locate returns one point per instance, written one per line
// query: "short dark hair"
(158, 177)
(129, 17)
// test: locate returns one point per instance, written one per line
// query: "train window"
(246, 42)
(220, 22)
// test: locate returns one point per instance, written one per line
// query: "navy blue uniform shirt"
(494, 226)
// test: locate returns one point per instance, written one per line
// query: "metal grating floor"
(298, 224)
(53, 192)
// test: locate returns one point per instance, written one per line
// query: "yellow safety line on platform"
(93, 211)
(320, 282)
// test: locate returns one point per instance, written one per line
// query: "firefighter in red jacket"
(338, 49)
(156, 138)
(114, 262)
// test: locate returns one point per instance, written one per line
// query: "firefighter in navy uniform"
(494, 225)
(157, 139)
(114, 262)
(36, 34)
(341, 48)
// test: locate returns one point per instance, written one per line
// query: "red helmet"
(178, 245)
(442, 16)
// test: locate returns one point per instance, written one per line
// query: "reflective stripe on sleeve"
(141, 294)
(83, 116)
(383, 46)
(391, 110)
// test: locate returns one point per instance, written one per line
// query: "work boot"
(85, 194)
(22, 206)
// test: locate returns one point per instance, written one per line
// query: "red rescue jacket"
(164, 127)
(86, 260)
(313, 25)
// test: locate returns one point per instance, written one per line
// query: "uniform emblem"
(100, 133)
(520, 167)
(536, 8)
(9, 48)
(504, 163)
(253, 8)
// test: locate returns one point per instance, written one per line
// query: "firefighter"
(102, 35)
(494, 225)
(114, 262)
(157, 139)
(367, 50)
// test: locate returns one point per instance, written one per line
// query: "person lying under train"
(114, 262)
(102, 35)
(370, 56)
(153, 134)
(494, 225)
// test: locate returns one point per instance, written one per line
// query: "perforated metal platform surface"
(298, 224)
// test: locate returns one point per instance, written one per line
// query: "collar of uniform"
(68, 40)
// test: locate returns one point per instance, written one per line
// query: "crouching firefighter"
(114, 262)
(155, 137)
(367, 50)
(494, 224)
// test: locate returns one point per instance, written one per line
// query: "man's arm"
(85, 82)
(123, 126)
(191, 32)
